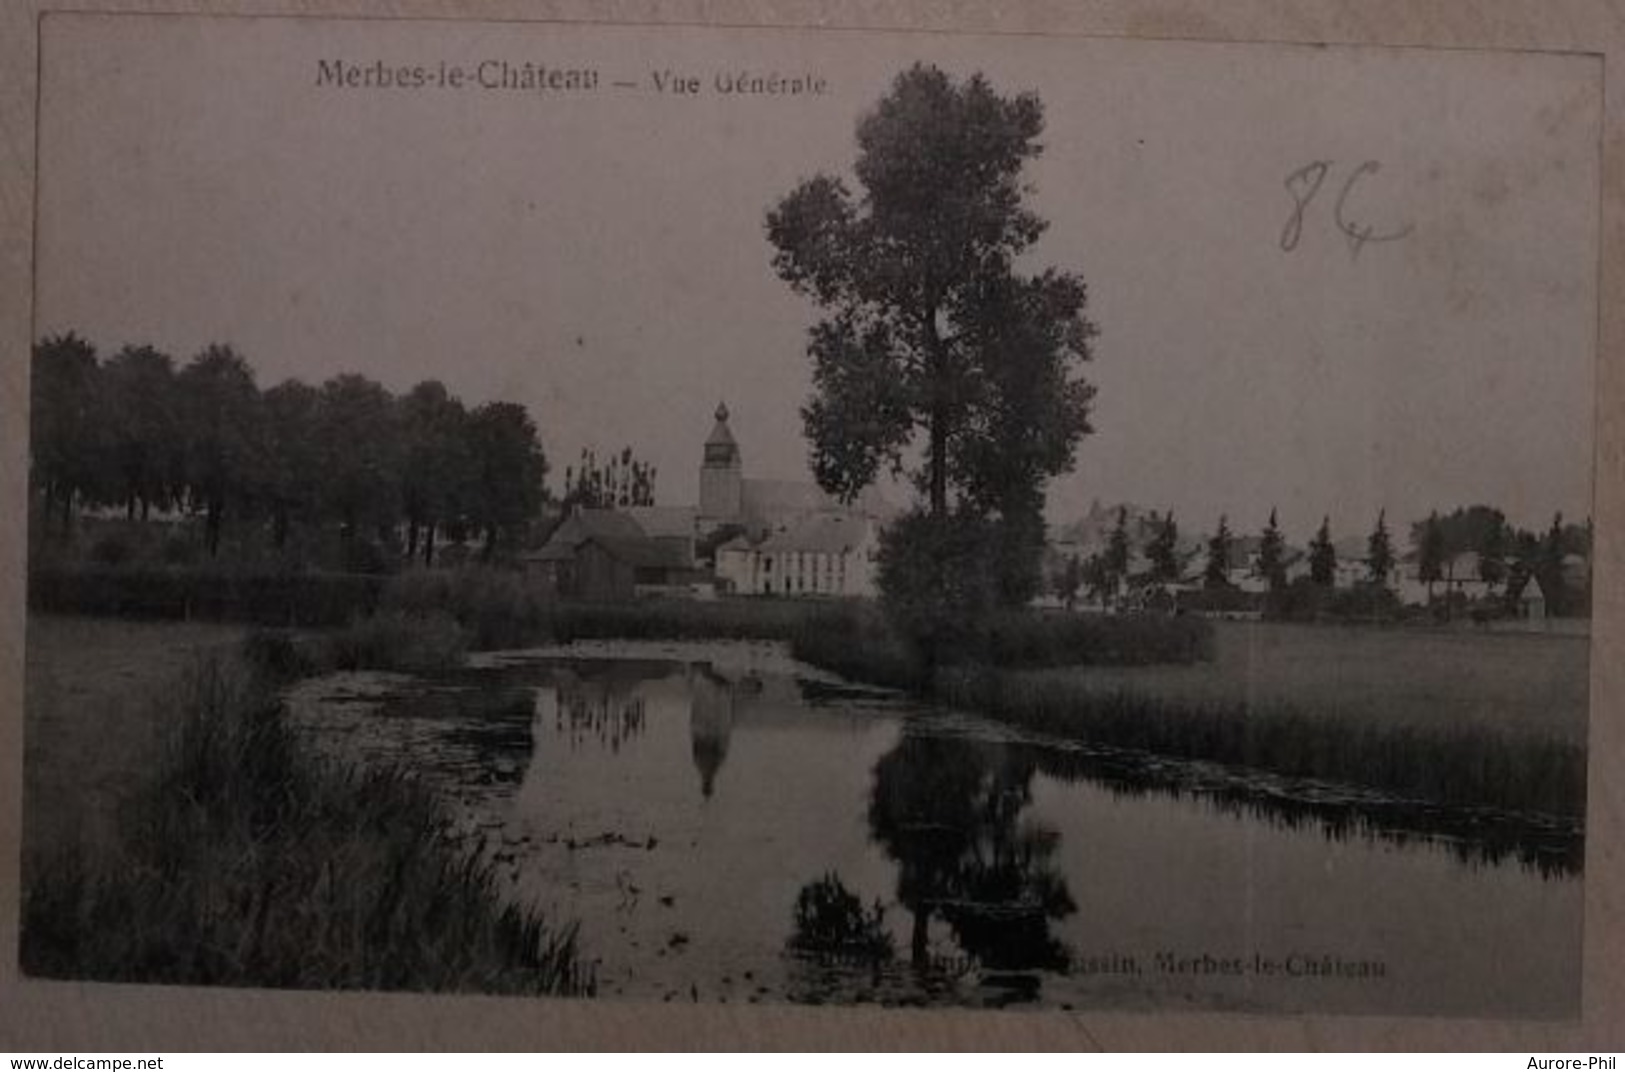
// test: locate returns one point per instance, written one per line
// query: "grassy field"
(1414, 678)
(92, 723)
(178, 831)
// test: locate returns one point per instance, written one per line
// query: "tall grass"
(247, 860)
(1464, 766)
(212, 593)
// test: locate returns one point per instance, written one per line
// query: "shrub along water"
(250, 861)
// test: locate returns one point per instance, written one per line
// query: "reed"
(248, 860)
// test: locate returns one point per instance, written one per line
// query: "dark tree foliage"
(1216, 573)
(1430, 552)
(930, 337)
(66, 431)
(146, 462)
(954, 816)
(1272, 555)
(358, 436)
(937, 576)
(1379, 559)
(1163, 551)
(1323, 556)
(509, 470)
(294, 467)
(624, 480)
(133, 433)
(222, 425)
(1118, 551)
(438, 467)
(1070, 582)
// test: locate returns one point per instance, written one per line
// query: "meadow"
(1415, 677)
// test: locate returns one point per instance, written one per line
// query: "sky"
(600, 256)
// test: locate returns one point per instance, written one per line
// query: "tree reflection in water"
(949, 811)
(599, 707)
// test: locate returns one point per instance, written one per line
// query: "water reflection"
(711, 723)
(719, 829)
(949, 811)
(598, 703)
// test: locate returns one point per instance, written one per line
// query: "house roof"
(664, 521)
(828, 533)
(772, 499)
(617, 533)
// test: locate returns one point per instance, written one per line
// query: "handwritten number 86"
(1304, 183)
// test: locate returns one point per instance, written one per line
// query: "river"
(728, 825)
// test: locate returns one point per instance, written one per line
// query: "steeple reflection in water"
(711, 722)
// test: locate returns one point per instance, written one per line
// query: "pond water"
(728, 825)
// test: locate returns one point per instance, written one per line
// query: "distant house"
(1532, 601)
(827, 554)
(608, 555)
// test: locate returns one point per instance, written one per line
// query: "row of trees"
(137, 433)
(1502, 554)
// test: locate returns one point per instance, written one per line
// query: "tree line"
(1504, 555)
(138, 433)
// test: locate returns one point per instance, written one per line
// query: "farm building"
(608, 555)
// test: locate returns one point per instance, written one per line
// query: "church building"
(787, 537)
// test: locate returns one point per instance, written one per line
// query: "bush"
(938, 584)
(178, 551)
(831, 921)
(209, 593)
(496, 607)
(277, 656)
(111, 550)
(399, 641)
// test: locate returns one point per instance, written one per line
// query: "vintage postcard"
(755, 516)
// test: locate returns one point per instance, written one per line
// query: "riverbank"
(1461, 719)
(240, 857)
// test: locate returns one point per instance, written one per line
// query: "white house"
(827, 554)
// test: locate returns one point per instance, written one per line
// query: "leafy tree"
(622, 481)
(929, 331)
(1549, 567)
(359, 440)
(438, 463)
(1430, 553)
(142, 429)
(1379, 561)
(1163, 551)
(1492, 552)
(1070, 582)
(510, 470)
(1272, 555)
(938, 583)
(1216, 574)
(1117, 551)
(1097, 579)
(294, 468)
(1323, 556)
(65, 426)
(221, 418)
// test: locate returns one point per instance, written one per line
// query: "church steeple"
(721, 473)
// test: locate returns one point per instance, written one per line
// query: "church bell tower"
(721, 475)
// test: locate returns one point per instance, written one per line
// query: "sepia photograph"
(761, 516)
